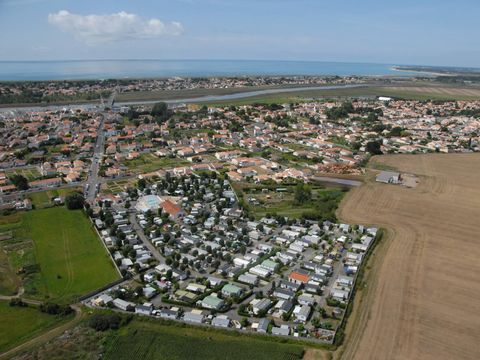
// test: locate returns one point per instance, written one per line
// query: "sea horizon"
(51, 70)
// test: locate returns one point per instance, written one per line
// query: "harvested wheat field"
(423, 298)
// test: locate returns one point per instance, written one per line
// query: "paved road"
(346, 182)
(138, 229)
(93, 180)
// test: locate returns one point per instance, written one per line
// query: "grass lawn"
(61, 252)
(9, 281)
(149, 341)
(20, 324)
(42, 199)
(146, 163)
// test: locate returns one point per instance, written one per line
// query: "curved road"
(235, 96)
(45, 336)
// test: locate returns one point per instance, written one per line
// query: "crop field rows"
(423, 301)
(149, 342)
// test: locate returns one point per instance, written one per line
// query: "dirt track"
(423, 298)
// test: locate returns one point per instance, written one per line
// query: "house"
(306, 299)
(149, 292)
(262, 326)
(298, 278)
(270, 265)
(194, 316)
(214, 281)
(143, 309)
(249, 279)
(283, 307)
(102, 300)
(284, 294)
(172, 209)
(169, 313)
(389, 177)
(260, 305)
(232, 290)
(290, 285)
(123, 305)
(283, 330)
(211, 302)
(221, 321)
(302, 312)
(259, 270)
(339, 294)
(196, 288)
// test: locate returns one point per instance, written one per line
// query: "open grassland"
(161, 95)
(149, 341)
(19, 324)
(262, 199)
(411, 92)
(9, 281)
(59, 252)
(420, 297)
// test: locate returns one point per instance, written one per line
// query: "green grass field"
(431, 92)
(62, 253)
(146, 163)
(19, 324)
(43, 199)
(150, 341)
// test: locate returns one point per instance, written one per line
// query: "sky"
(417, 32)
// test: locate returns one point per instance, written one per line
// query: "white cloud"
(95, 29)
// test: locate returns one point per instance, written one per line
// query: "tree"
(160, 112)
(103, 322)
(303, 193)
(74, 201)
(373, 147)
(20, 182)
(244, 322)
(142, 183)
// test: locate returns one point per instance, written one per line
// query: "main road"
(92, 183)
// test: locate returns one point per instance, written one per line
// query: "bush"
(103, 322)
(55, 309)
(17, 302)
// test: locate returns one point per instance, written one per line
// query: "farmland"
(58, 252)
(21, 323)
(156, 341)
(30, 173)
(420, 299)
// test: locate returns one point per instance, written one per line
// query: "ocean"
(119, 69)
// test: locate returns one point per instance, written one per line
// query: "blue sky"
(402, 32)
